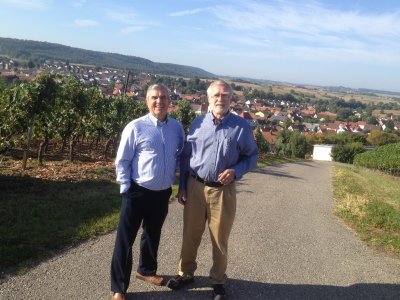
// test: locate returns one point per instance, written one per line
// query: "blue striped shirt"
(211, 148)
(149, 153)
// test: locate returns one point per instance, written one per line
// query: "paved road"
(285, 244)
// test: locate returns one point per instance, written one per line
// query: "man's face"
(158, 102)
(220, 100)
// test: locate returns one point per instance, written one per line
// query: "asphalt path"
(286, 244)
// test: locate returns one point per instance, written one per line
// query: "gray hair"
(157, 87)
(219, 83)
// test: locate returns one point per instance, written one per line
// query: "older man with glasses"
(219, 150)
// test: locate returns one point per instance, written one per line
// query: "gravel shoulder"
(285, 244)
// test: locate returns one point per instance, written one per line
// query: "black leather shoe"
(178, 281)
(218, 291)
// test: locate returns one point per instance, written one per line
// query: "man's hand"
(227, 176)
(182, 197)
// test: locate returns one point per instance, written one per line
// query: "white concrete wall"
(322, 152)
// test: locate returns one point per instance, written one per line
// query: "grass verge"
(47, 209)
(369, 202)
(40, 217)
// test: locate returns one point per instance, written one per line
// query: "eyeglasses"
(222, 95)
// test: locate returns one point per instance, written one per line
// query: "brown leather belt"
(207, 183)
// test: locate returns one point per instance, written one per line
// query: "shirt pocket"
(148, 146)
(229, 147)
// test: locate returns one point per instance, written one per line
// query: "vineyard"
(57, 143)
(384, 158)
(62, 117)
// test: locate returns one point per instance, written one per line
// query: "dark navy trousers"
(140, 206)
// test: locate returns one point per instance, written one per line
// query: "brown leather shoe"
(153, 279)
(118, 296)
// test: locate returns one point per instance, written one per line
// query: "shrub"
(291, 143)
(298, 144)
(346, 152)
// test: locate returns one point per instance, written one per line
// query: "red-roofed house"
(327, 116)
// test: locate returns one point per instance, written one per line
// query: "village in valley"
(271, 107)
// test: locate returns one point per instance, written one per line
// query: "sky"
(328, 43)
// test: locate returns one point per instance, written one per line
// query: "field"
(320, 93)
(379, 114)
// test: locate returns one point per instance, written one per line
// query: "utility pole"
(126, 83)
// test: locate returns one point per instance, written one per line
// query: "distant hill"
(361, 91)
(41, 51)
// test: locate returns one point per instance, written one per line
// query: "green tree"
(390, 125)
(298, 144)
(185, 114)
(31, 64)
(345, 153)
(379, 138)
(282, 142)
(262, 143)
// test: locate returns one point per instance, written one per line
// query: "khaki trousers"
(217, 207)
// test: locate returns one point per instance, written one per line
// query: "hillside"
(41, 51)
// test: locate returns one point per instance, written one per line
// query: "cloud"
(85, 23)
(134, 21)
(27, 4)
(323, 31)
(131, 29)
(311, 17)
(187, 12)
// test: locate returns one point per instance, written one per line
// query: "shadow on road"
(274, 172)
(242, 289)
(274, 169)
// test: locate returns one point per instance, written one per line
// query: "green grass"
(369, 202)
(41, 217)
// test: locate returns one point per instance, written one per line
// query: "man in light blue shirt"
(219, 150)
(146, 163)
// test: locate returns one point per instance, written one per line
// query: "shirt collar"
(215, 121)
(157, 122)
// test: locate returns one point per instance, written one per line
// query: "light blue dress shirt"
(149, 153)
(211, 148)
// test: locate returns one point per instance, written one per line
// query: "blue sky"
(348, 43)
